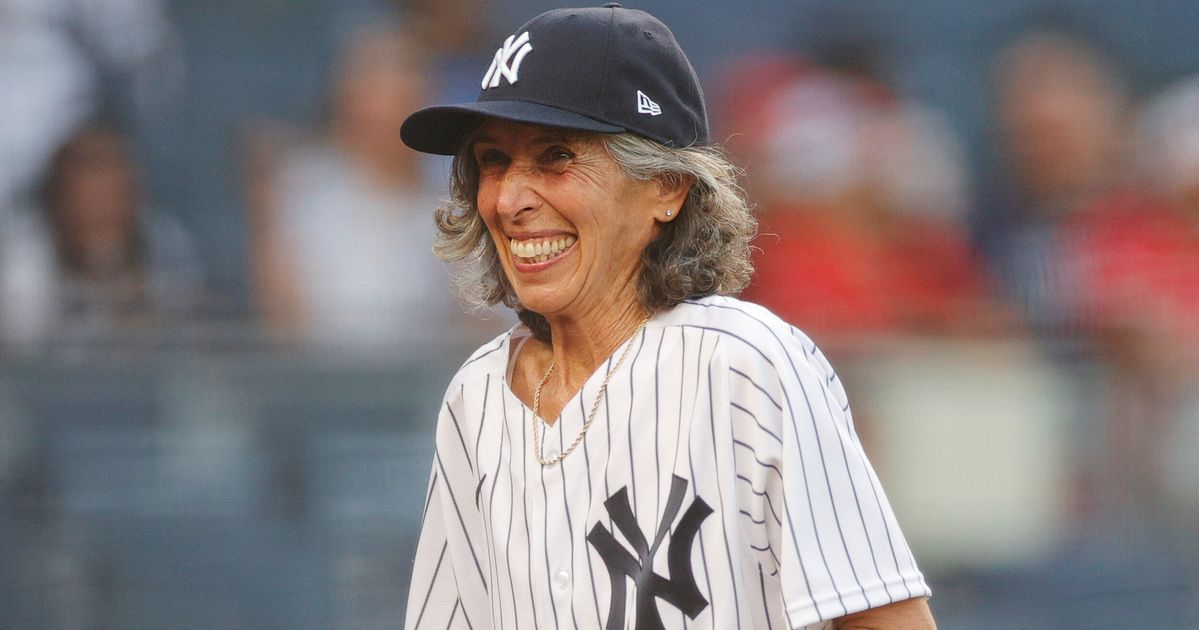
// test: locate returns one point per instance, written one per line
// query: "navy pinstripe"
(742, 408)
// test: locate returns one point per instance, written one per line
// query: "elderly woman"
(644, 450)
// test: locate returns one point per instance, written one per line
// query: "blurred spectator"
(457, 42)
(62, 61)
(1095, 256)
(344, 224)
(860, 200)
(1168, 144)
(94, 259)
(1139, 289)
(1061, 113)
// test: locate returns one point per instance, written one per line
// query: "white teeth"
(539, 250)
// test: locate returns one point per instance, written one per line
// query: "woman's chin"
(539, 302)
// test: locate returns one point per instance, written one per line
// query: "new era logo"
(646, 106)
(507, 60)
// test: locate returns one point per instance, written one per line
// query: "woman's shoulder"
(749, 332)
(736, 317)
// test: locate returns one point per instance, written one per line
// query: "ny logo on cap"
(507, 60)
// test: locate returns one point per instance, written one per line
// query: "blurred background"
(223, 338)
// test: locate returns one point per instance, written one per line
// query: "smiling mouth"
(540, 249)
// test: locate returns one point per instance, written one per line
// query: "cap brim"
(443, 129)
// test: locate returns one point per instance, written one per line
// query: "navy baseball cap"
(606, 70)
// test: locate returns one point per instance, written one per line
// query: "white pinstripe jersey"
(721, 486)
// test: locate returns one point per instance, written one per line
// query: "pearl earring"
(669, 212)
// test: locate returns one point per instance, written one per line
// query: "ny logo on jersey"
(679, 590)
(507, 60)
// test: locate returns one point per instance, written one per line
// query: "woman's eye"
(489, 157)
(558, 154)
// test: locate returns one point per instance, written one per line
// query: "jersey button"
(561, 580)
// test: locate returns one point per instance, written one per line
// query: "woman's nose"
(516, 193)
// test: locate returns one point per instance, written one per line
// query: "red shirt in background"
(833, 277)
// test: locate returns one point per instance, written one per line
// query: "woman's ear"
(673, 189)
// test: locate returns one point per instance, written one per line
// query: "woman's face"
(568, 224)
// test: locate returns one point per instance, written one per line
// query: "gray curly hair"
(703, 251)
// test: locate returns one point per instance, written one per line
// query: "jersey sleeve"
(812, 508)
(448, 588)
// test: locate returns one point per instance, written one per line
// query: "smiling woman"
(637, 396)
(700, 249)
(537, 186)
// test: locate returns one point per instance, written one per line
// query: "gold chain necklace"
(594, 407)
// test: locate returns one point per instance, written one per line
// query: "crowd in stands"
(338, 214)
(1085, 235)
(872, 224)
(342, 219)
